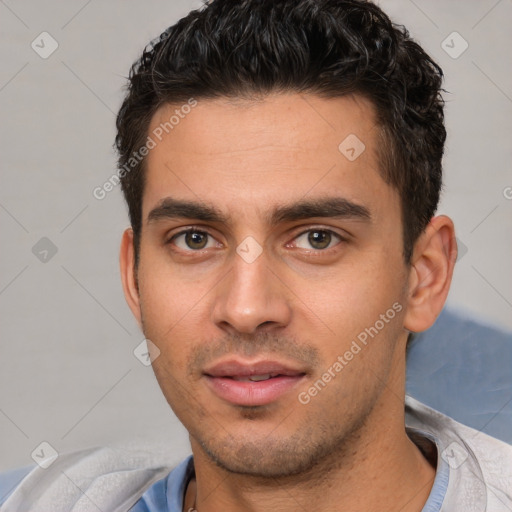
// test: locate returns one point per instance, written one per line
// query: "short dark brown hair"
(250, 48)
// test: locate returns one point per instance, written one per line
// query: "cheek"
(169, 372)
(175, 313)
(355, 294)
(170, 300)
(363, 301)
(363, 311)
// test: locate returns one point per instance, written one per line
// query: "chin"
(270, 457)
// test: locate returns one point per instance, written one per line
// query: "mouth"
(252, 383)
(255, 378)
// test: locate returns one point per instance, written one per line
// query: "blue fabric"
(440, 486)
(10, 480)
(438, 492)
(459, 367)
(463, 369)
(167, 494)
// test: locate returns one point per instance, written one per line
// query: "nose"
(251, 298)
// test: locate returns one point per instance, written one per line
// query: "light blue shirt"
(168, 494)
(473, 474)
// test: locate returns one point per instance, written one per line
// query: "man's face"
(294, 253)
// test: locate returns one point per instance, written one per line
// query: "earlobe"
(431, 273)
(127, 267)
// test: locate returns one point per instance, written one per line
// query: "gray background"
(68, 374)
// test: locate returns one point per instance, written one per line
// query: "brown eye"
(318, 239)
(192, 240)
(196, 240)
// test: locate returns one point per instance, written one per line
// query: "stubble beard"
(305, 455)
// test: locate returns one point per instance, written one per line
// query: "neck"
(376, 468)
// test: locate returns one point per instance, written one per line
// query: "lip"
(220, 379)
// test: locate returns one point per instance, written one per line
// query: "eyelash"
(312, 229)
(185, 232)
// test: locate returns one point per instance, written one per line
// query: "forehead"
(250, 155)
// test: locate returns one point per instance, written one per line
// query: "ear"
(127, 266)
(430, 276)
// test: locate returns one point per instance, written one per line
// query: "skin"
(297, 302)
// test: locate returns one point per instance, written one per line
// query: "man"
(281, 161)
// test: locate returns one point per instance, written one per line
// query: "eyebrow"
(170, 208)
(332, 207)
